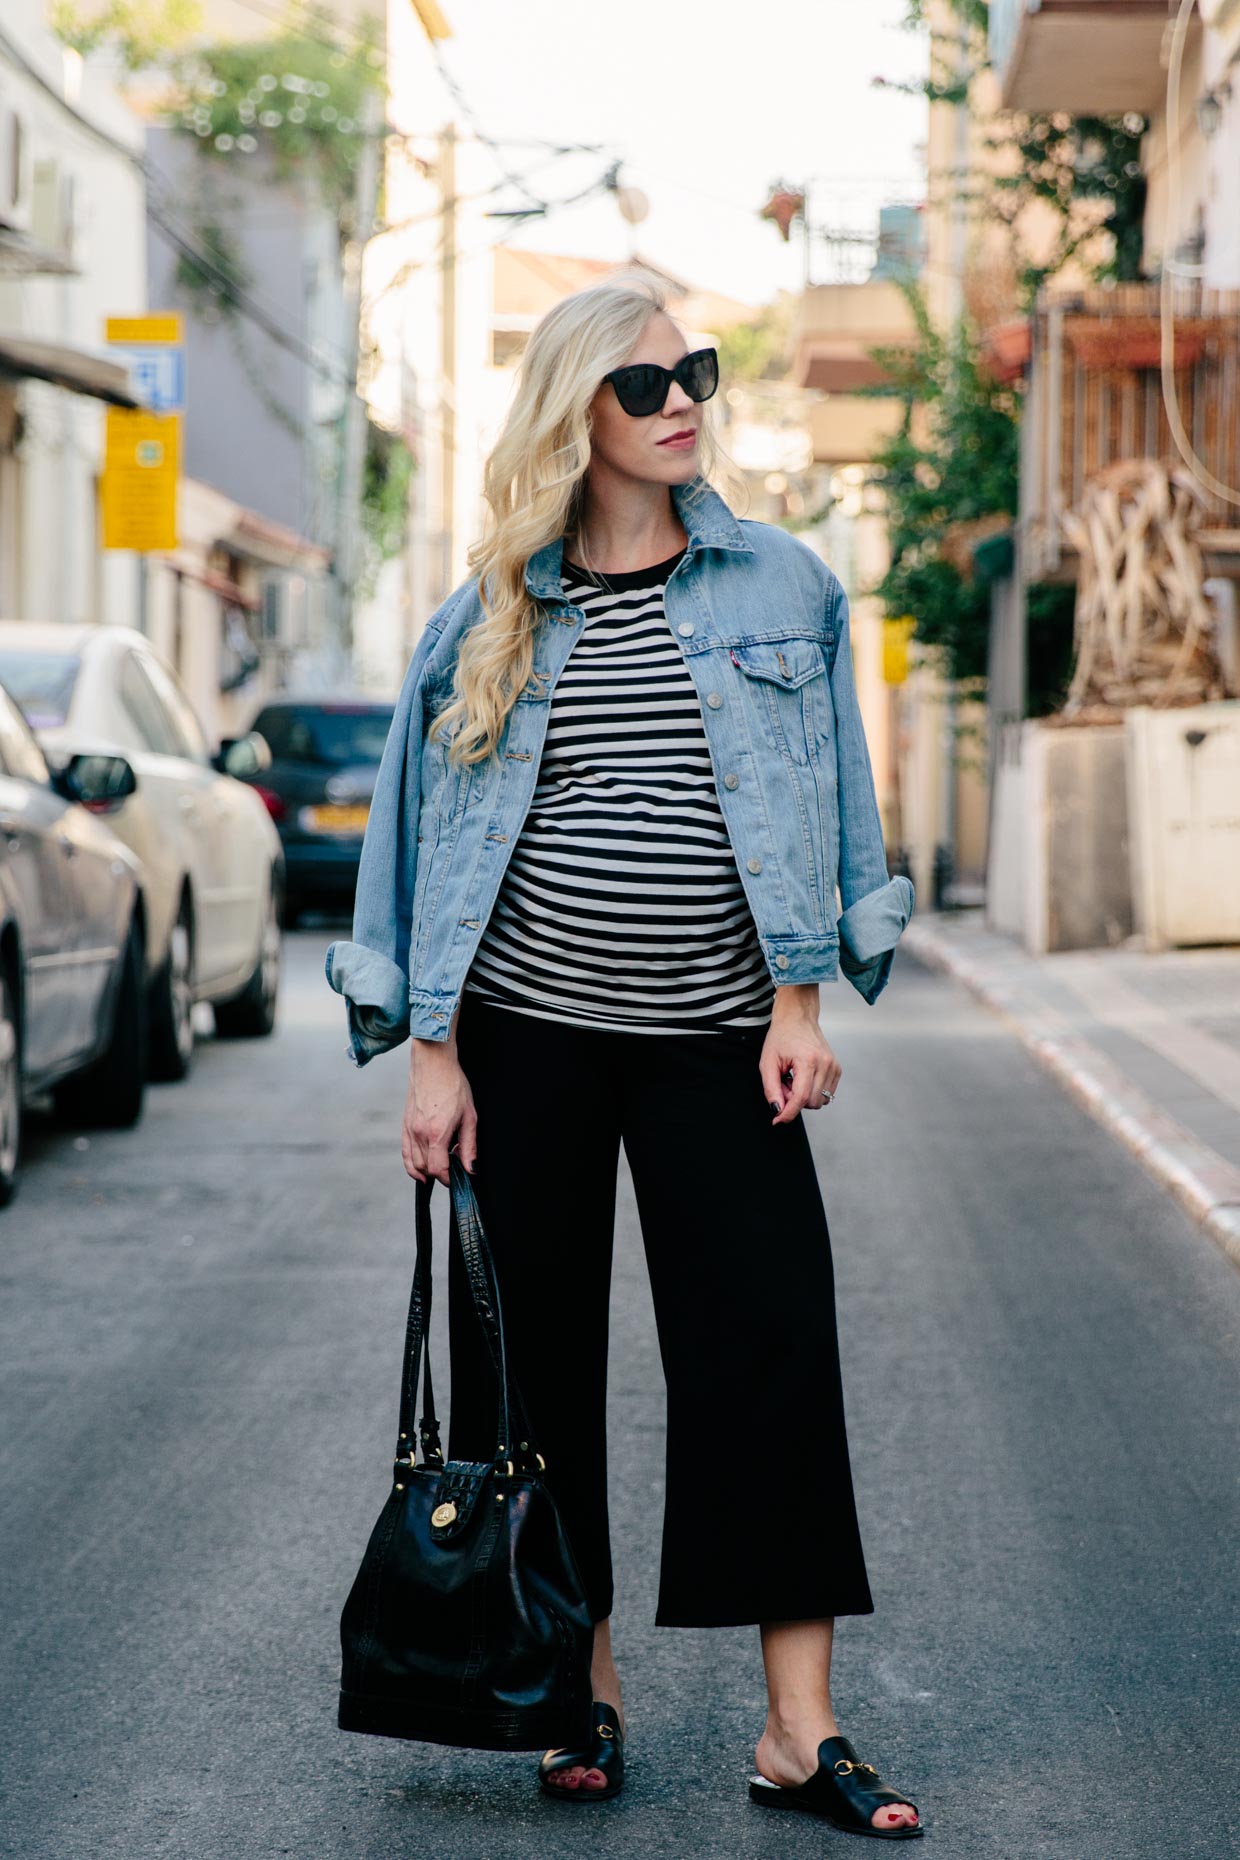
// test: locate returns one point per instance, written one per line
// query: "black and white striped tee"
(621, 906)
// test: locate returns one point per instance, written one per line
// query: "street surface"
(199, 1343)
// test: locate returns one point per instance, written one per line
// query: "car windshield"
(42, 683)
(336, 735)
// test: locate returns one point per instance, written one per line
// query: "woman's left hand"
(797, 1064)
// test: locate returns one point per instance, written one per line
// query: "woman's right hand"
(439, 1106)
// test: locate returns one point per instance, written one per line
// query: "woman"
(625, 774)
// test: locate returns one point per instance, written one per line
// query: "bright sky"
(707, 104)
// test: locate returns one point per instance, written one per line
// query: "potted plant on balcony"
(1131, 342)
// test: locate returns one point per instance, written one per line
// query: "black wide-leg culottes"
(759, 1518)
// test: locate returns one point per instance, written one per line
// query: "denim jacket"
(763, 626)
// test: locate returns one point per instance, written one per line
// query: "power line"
(184, 244)
(183, 239)
(235, 293)
(406, 270)
(467, 111)
(284, 17)
(231, 289)
(483, 193)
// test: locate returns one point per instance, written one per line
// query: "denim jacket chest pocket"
(786, 681)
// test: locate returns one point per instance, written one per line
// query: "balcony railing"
(1095, 397)
(1086, 57)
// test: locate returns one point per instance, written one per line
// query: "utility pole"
(353, 440)
(447, 363)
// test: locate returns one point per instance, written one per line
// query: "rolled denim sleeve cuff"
(376, 995)
(869, 930)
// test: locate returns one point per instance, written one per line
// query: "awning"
(842, 374)
(263, 540)
(223, 585)
(75, 369)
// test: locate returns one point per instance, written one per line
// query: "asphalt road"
(199, 1340)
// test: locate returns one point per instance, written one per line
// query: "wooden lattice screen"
(1095, 398)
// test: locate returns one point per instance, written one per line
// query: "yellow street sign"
(131, 330)
(896, 636)
(142, 460)
(139, 487)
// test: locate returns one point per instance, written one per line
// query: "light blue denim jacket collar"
(707, 521)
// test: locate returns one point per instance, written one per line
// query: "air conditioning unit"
(284, 614)
(16, 169)
(54, 207)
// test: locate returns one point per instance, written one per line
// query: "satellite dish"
(633, 204)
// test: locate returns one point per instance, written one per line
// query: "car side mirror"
(96, 781)
(243, 757)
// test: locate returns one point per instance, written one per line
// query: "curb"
(1204, 1183)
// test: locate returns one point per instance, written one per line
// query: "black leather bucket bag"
(467, 1622)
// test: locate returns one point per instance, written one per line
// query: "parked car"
(324, 758)
(72, 935)
(211, 862)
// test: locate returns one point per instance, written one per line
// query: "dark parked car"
(325, 755)
(72, 960)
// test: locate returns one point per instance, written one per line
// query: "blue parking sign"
(158, 375)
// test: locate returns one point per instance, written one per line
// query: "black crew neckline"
(633, 578)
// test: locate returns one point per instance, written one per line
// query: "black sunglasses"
(642, 387)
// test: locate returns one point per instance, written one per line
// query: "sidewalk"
(1149, 1044)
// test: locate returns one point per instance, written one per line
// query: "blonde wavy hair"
(534, 488)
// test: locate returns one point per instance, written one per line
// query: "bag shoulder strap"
(484, 1292)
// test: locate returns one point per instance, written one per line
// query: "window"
(42, 683)
(272, 726)
(162, 718)
(19, 752)
(508, 346)
(333, 734)
(144, 710)
(176, 706)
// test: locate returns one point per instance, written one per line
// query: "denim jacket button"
(685, 629)
(714, 699)
(781, 962)
(755, 865)
(731, 781)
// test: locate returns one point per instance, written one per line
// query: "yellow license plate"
(332, 819)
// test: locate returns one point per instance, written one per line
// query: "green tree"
(965, 468)
(141, 32)
(758, 349)
(389, 472)
(298, 99)
(1085, 169)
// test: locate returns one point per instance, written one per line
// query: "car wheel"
(10, 1088)
(252, 1014)
(172, 1001)
(108, 1094)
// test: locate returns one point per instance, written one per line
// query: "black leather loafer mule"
(842, 1790)
(605, 1752)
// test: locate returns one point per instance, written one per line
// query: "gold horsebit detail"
(845, 1768)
